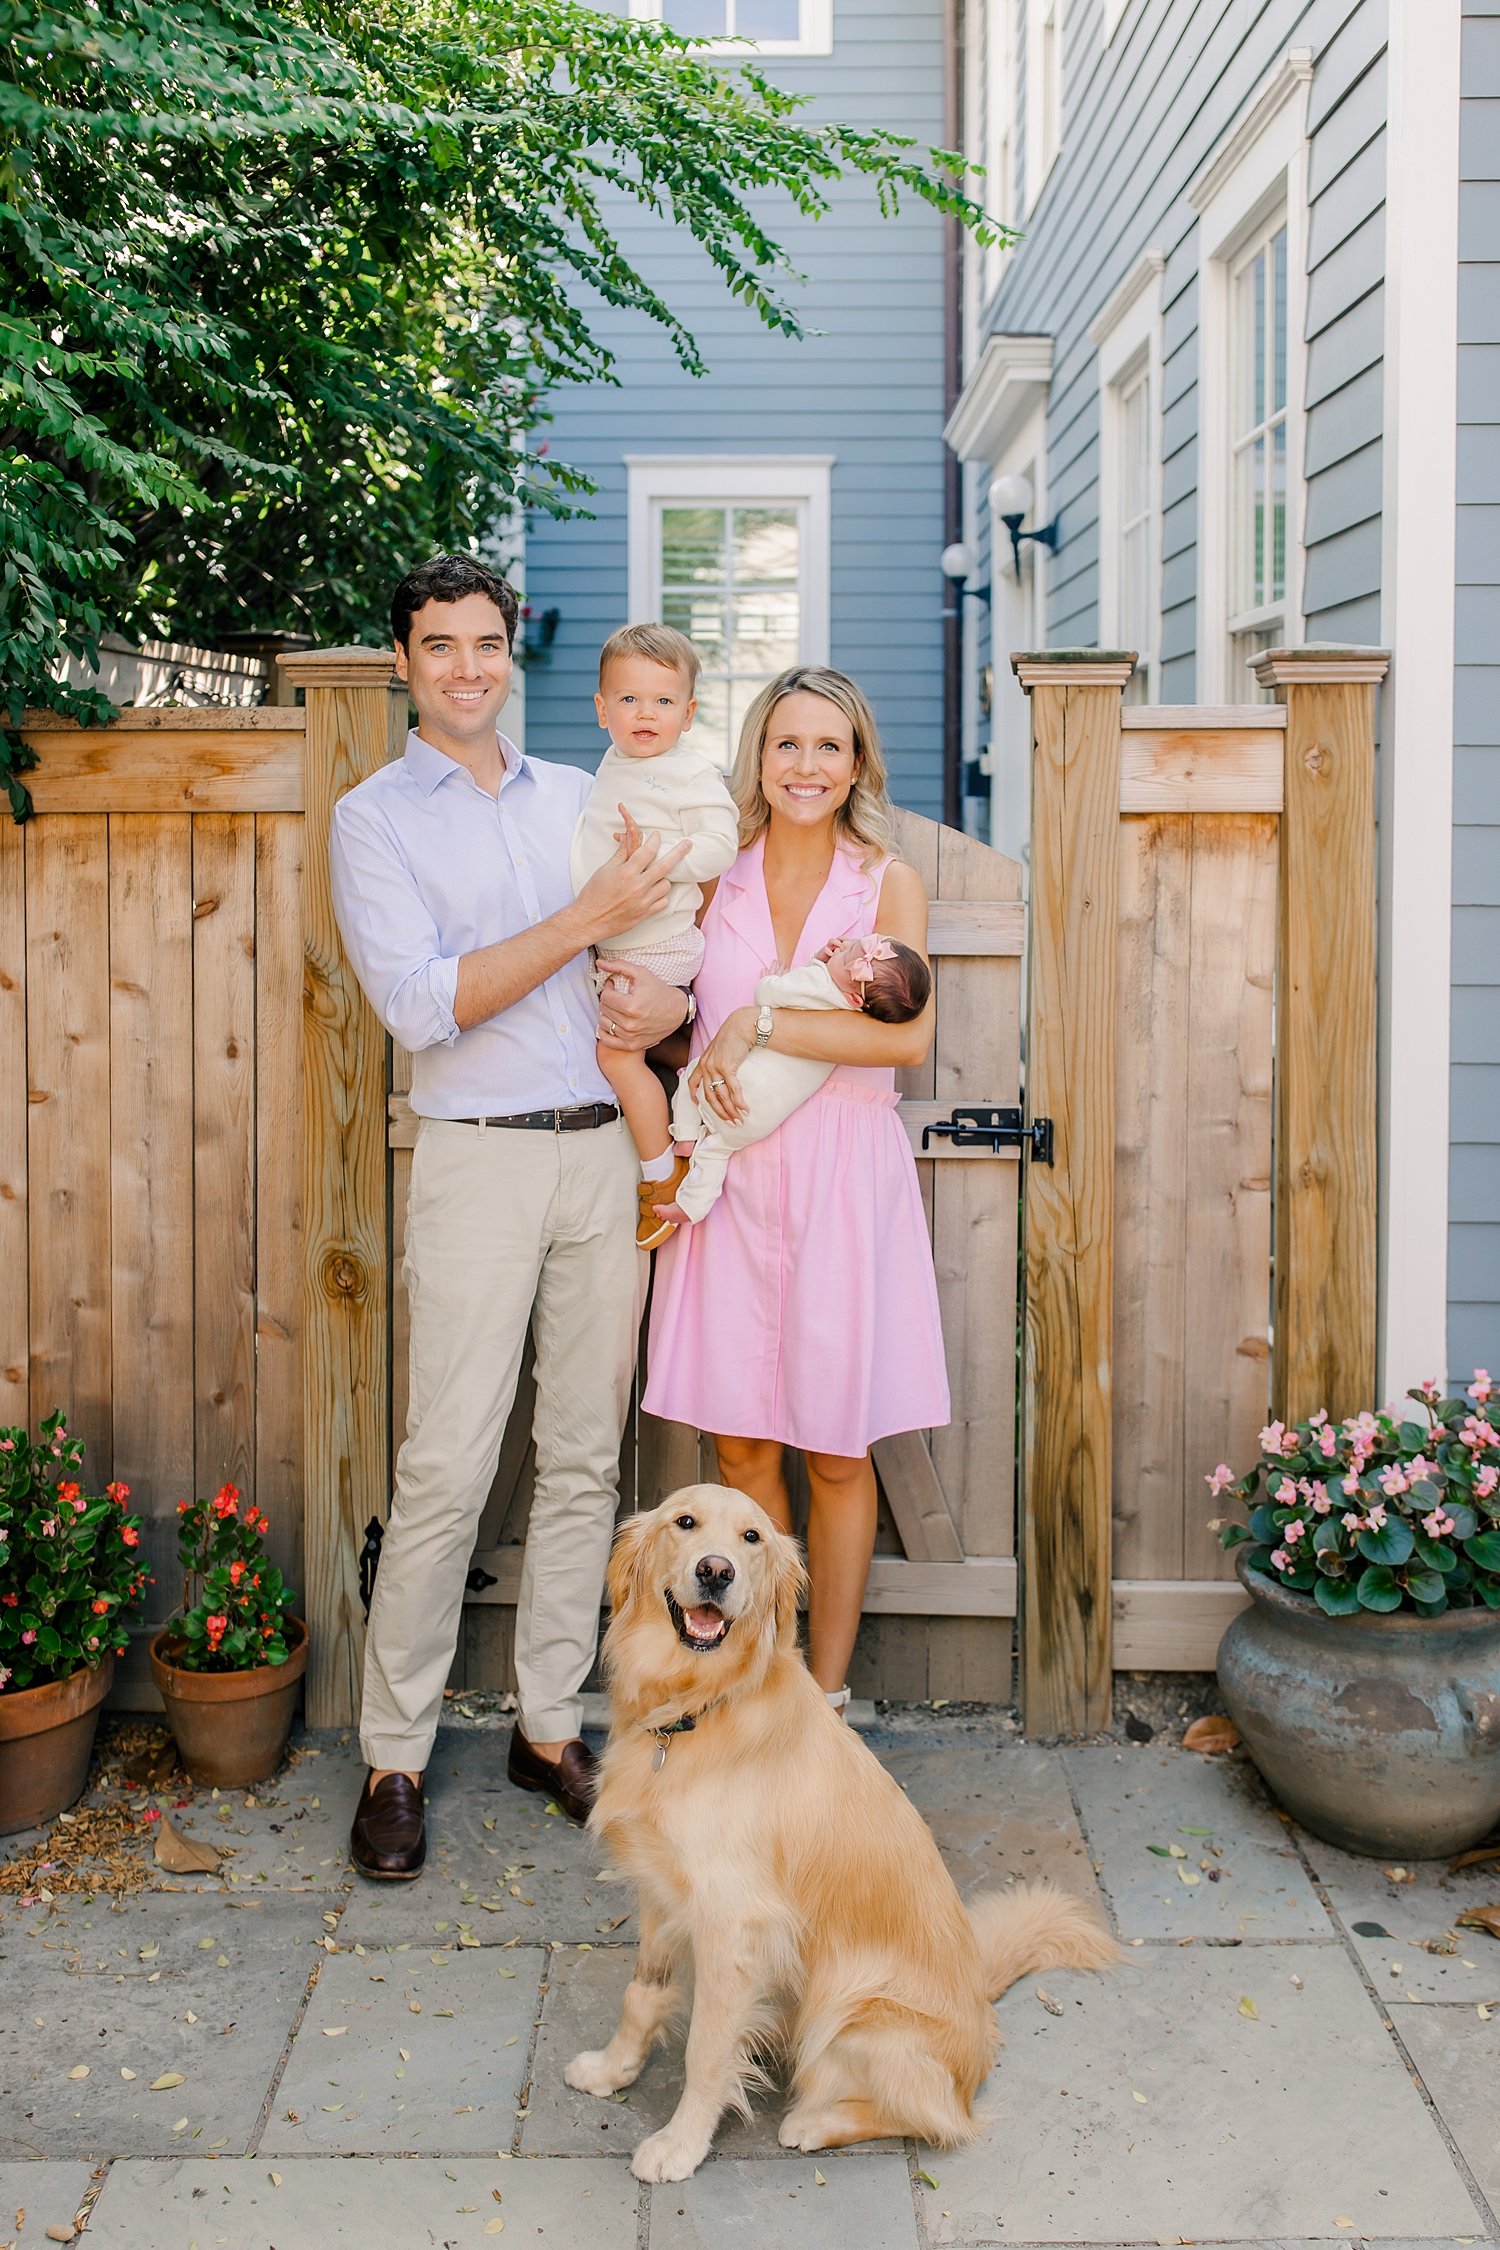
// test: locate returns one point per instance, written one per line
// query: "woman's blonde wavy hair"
(865, 816)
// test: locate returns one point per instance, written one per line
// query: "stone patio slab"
(1458, 2054)
(555, 1890)
(34, 2197)
(1425, 1910)
(114, 1989)
(581, 2010)
(1246, 2129)
(864, 2204)
(1254, 1886)
(465, 2020)
(996, 1811)
(363, 2202)
(289, 1833)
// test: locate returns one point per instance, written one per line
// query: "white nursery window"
(735, 555)
(778, 27)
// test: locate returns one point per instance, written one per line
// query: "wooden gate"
(942, 1588)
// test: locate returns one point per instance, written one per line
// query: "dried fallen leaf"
(1135, 2097)
(1343, 2222)
(148, 1952)
(1211, 1736)
(1248, 2008)
(334, 2030)
(1475, 1858)
(62, 2234)
(617, 1922)
(494, 2226)
(818, 2179)
(79, 2070)
(274, 2178)
(927, 2179)
(1053, 2007)
(1188, 1875)
(1481, 1918)
(180, 1855)
(124, 2073)
(167, 2080)
(1482, 2011)
(1399, 1875)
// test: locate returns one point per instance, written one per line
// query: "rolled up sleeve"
(388, 932)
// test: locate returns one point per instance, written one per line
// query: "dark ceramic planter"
(46, 1736)
(231, 1728)
(1380, 1733)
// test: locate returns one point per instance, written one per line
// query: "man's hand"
(632, 886)
(637, 1010)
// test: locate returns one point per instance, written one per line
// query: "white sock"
(658, 1167)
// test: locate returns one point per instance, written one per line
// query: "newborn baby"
(886, 980)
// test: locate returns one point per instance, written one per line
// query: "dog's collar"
(683, 1725)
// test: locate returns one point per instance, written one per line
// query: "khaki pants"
(506, 1229)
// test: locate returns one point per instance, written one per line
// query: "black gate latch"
(985, 1126)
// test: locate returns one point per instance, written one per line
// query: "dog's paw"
(589, 2073)
(805, 2129)
(667, 2156)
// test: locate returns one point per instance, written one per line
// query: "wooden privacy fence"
(201, 1160)
(1201, 966)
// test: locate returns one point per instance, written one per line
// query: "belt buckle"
(557, 1121)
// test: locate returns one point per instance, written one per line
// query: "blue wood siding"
(1474, 1179)
(867, 388)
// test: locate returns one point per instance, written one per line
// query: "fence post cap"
(1073, 667)
(339, 667)
(1321, 664)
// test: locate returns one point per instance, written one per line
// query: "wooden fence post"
(1324, 1222)
(1066, 1491)
(356, 721)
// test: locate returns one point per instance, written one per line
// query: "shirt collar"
(428, 766)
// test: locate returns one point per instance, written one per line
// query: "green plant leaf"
(1392, 1544)
(1484, 1550)
(1427, 1586)
(1337, 1596)
(1235, 1534)
(1328, 1537)
(1377, 1589)
(1432, 1554)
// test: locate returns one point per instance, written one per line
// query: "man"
(451, 885)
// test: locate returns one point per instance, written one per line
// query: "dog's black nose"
(713, 1572)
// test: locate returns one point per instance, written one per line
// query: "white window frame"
(998, 145)
(1113, 12)
(816, 17)
(1042, 94)
(1128, 337)
(802, 481)
(1260, 170)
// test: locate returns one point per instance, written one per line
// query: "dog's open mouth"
(701, 1628)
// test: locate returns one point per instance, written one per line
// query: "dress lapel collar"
(743, 904)
(835, 913)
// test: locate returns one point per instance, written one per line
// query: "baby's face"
(645, 706)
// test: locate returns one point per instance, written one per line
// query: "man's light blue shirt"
(427, 867)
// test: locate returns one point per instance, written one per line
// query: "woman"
(803, 1310)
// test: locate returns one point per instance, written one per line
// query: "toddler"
(887, 980)
(647, 675)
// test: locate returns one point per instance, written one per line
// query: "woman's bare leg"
(840, 1541)
(753, 1465)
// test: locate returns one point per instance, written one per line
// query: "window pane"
(1134, 447)
(765, 546)
(765, 631)
(1134, 588)
(1278, 369)
(1248, 578)
(1244, 413)
(698, 19)
(767, 19)
(701, 617)
(709, 734)
(741, 696)
(692, 546)
(1278, 514)
(1258, 346)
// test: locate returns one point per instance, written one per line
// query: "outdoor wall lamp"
(956, 564)
(1012, 500)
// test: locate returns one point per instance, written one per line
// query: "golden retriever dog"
(790, 1897)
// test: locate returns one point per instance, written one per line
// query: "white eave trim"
(1147, 269)
(1292, 73)
(1009, 382)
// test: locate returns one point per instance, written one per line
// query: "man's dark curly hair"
(448, 578)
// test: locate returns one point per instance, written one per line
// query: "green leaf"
(1328, 1537)
(1413, 1437)
(1235, 1535)
(1377, 1589)
(1484, 1550)
(1465, 1521)
(1392, 1544)
(1426, 1586)
(1433, 1554)
(1264, 1523)
(1337, 1596)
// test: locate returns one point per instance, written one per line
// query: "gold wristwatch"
(764, 1024)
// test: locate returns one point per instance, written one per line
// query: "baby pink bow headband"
(871, 950)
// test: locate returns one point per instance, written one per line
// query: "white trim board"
(1260, 168)
(1418, 526)
(1128, 336)
(801, 478)
(1008, 383)
(816, 37)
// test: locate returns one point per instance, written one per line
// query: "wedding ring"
(718, 1082)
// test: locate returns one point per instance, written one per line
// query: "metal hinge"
(987, 1126)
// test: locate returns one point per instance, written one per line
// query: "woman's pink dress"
(804, 1307)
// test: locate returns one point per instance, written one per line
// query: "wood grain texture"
(1177, 770)
(278, 1176)
(67, 1054)
(224, 1149)
(984, 1586)
(982, 925)
(1172, 1625)
(916, 1499)
(351, 730)
(1226, 1349)
(1069, 1207)
(914, 1116)
(15, 1274)
(171, 761)
(151, 1128)
(1151, 1193)
(1325, 1196)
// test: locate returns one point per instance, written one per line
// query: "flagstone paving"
(381, 2065)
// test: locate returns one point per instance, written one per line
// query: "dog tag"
(658, 1757)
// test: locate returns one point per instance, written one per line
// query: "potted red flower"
(229, 1667)
(70, 1566)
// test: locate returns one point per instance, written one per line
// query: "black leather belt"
(583, 1119)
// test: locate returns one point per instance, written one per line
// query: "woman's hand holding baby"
(715, 1075)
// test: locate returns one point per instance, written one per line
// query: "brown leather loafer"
(572, 1779)
(388, 1841)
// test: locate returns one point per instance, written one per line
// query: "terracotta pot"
(1379, 1732)
(46, 1737)
(231, 1727)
